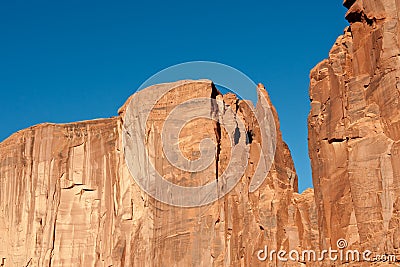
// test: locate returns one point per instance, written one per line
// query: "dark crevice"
(354, 17)
(360, 16)
(340, 140)
(88, 189)
(236, 136)
(214, 92)
(336, 140)
(348, 3)
(68, 187)
(237, 106)
(218, 136)
(370, 22)
(249, 137)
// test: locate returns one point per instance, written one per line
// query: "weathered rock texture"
(67, 198)
(354, 131)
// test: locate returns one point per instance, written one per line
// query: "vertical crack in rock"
(217, 156)
(57, 190)
(216, 111)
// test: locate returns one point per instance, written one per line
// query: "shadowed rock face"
(68, 199)
(354, 131)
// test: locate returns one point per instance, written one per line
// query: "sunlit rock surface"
(68, 199)
(354, 131)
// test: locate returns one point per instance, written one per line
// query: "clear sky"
(64, 61)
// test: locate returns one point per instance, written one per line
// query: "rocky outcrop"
(68, 199)
(68, 196)
(354, 131)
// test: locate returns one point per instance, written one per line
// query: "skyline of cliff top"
(76, 61)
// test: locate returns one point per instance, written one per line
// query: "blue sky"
(78, 60)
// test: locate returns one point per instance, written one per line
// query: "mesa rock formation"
(354, 131)
(68, 199)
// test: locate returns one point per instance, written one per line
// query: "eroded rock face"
(354, 131)
(68, 199)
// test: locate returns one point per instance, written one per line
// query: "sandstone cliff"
(354, 131)
(68, 199)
